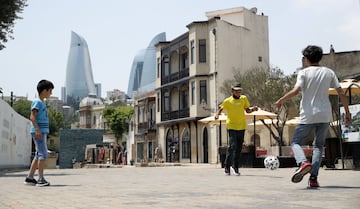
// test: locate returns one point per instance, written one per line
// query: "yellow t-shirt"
(235, 109)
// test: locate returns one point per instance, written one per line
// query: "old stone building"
(346, 64)
(190, 72)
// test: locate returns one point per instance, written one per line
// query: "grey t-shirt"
(315, 82)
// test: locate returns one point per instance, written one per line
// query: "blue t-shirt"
(41, 117)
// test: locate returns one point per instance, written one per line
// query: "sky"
(115, 30)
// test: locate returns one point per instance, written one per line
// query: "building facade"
(144, 128)
(346, 64)
(190, 71)
(90, 113)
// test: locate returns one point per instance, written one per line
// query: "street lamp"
(2, 93)
(12, 98)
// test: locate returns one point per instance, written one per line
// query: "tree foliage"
(9, 10)
(118, 119)
(56, 121)
(263, 88)
(23, 107)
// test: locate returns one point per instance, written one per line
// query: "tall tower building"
(143, 69)
(79, 77)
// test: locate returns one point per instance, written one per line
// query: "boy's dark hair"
(44, 85)
(313, 53)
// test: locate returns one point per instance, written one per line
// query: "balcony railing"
(184, 73)
(183, 113)
(175, 76)
(147, 126)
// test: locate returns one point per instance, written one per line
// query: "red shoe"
(313, 183)
(304, 169)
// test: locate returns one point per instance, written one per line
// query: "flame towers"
(143, 69)
(79, 78)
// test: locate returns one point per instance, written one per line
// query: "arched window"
(185, 143)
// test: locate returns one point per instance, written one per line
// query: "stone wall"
(345, 64)
(15, 138)
(73, 144)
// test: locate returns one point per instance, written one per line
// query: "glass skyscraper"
(143, 69)
(79, 78)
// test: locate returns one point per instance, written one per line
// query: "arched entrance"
(205, 146)
(172, 145)
(169, 146)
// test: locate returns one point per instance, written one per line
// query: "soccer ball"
(271, 162)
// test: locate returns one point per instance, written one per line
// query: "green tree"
(118, 119)
(263, 88)
(23, 107)
(9, 10)
(56, 121)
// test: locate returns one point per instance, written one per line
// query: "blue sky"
(116, 30)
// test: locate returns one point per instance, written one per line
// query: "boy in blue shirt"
(39, 130)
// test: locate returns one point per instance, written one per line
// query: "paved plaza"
(185, 186)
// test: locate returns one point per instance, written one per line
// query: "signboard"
(351, 133)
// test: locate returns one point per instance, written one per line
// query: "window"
(185, 61)
(150, 149)
(158, 67)
(192, 45)
(138, 114)
(185, 98)
(203, 93)
(166, 102)
(158, 102)
(193, 96)
(166, 67)
(186, 145)
(202, 50)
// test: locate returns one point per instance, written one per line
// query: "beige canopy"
(350, 86)
(256, 115)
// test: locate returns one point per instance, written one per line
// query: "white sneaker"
(235, 171)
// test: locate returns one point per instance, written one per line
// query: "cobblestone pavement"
(186, 186)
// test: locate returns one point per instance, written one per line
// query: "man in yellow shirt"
(235, 107)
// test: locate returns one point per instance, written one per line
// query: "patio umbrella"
(293, 122)
(256, 115)
(259, 115)
(211, 121)
(350, 86)
(266, 121)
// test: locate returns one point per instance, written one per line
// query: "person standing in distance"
(235, 107)
(313, 82)
(39, 130)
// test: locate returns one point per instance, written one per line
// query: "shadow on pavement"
(267, 176)
(65, 185)
(24, 175)
(340, 187)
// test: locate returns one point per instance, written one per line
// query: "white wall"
(15, 138)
